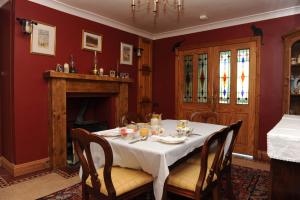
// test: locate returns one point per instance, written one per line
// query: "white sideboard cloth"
(283, 141)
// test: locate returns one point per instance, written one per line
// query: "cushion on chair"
(196, 159)
(186, 175)
(123, 179)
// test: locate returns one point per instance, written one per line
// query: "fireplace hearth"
(93, 125)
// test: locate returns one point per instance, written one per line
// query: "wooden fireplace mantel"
(62, 84)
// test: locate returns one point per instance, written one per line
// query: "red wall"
(6, 83)
(30, 123)
(271, 67)
(30, 90)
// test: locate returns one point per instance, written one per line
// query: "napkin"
(169, 139)
(109, 133)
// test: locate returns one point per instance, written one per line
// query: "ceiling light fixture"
(156, 4)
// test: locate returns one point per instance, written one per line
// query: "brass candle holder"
(95, 70)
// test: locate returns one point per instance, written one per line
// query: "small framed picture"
(43, 39)
(112, 73)
(126, 54)
(91, 41)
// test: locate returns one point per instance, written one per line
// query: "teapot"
(155, 119)
(157, 116)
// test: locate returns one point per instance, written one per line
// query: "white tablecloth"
(283, 141)
(155, 157)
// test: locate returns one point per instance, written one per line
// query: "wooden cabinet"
(285, 180)
(291, 82)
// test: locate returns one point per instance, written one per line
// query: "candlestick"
(117, 69)
(94, 70)
(95, 58)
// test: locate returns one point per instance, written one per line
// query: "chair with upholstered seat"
(206, 117)
(199, 180)
(225, 169)
(107, 182)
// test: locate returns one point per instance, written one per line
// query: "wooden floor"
(44, 185)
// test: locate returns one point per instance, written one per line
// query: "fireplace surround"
(61, 85)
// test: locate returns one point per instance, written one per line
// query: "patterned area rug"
(6, 179)
(248, 184)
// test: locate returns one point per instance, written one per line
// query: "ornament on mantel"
(72, 65)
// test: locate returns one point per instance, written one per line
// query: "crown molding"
(93, 17)
(155, 36)
(2, 2)
(230, 22)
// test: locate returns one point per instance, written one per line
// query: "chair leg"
(150, 195)
(165, 191)
(229, 188)
(216, 192)
(85, 193)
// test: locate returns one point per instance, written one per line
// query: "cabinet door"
(234, 90)
(194, 82)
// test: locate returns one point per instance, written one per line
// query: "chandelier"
(156, 5)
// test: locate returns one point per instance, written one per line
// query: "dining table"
(153, 155)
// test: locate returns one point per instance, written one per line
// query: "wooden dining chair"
(197, 181)
(129, 118)
(107, 182)
(225, 170)
(206, 117)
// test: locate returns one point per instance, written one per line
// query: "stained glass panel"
(202, 78)
(224, 88)
(188, 79)
(243, 76)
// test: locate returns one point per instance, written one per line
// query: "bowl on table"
(128, 133)
(186, 131)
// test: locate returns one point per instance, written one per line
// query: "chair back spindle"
(234, 130)
(215, 143)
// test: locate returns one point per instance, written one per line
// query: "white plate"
(109, 133)
(169, 139)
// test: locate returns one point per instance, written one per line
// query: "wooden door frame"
(288, 40)
(144, 69)
(257, 40)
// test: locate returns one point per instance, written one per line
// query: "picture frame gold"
(43, 39)
(91, 41)
(126, 54)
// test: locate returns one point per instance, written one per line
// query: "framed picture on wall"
(126, 54)
(43, 39)
(91, 41)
